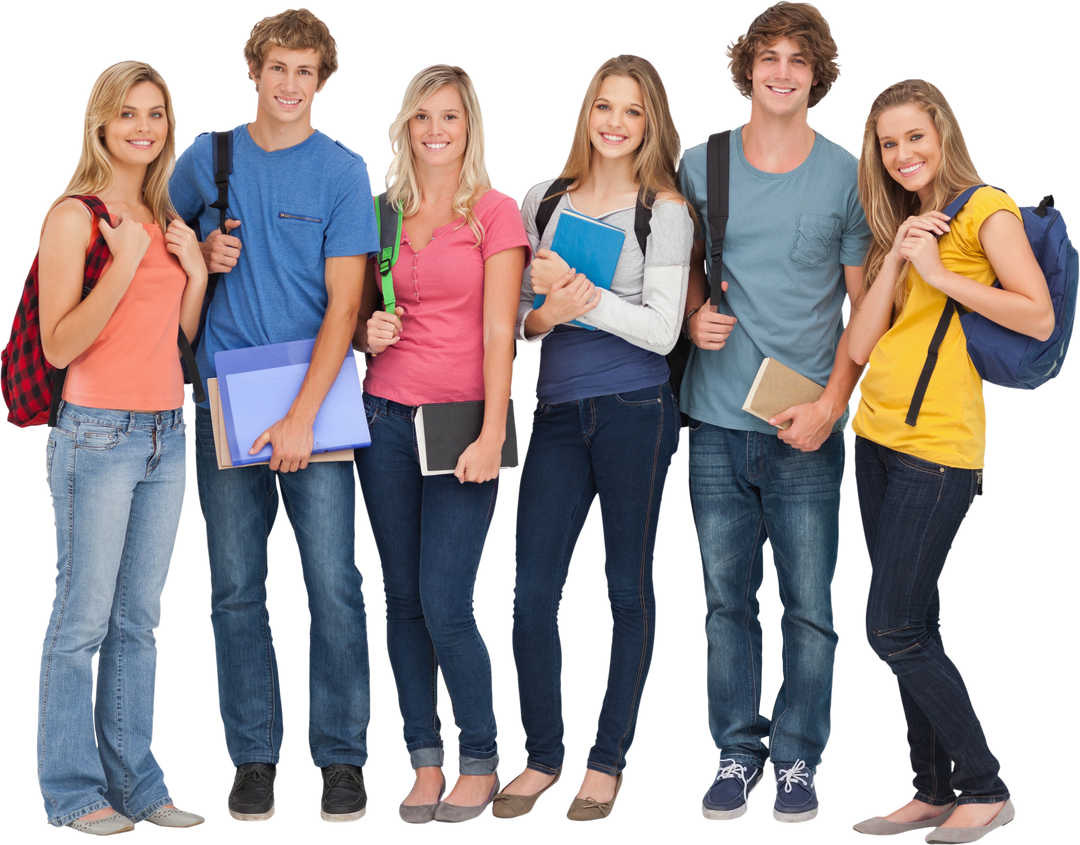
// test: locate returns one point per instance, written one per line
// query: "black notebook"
(445, 429)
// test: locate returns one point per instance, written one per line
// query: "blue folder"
(589, 246)
(258, 385)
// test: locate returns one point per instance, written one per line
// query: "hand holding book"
(549, 271)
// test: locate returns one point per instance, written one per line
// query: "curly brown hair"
(799, 22)
(293, 29)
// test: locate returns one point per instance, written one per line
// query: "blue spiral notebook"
(590, 247)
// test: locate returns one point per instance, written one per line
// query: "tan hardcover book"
(777, 388)
(221, 438)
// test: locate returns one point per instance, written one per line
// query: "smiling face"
(287, 83)
(438, 130)
(617, 118)
(781, 79)
(137, 135)
(910, 148)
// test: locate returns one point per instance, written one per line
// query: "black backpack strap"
(221, 143)
(188, 356)
(931, 362)
(643, 217)
(951, 307)
(717, 178)
(547, 208)
(642, 213)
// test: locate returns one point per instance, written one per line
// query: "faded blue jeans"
(746, 487)
(117, 483)
(911, 511)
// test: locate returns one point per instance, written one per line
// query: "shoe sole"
(342, 817)
(980, 833)
(722, 815)
(794, 817)
(162, 827)
(125, 832)
(251, 817)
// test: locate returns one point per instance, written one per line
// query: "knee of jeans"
(447, 618)
(894, 643)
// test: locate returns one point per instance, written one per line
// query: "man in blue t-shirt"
(792, 251)
(300, 225)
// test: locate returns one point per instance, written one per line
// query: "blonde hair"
(293, 29)
(403, 185)
(94, 172)
(654, 160)
(886, 203)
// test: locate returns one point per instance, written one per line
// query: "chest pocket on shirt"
(301, 233)
(813, 238)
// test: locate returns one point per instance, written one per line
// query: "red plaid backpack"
(32, 386)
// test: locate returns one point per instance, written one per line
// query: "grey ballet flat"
(972, 834)
(421, 813)
(878, 826)
(106, 826)
(455, 813)
(172, 817)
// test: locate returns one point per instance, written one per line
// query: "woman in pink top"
(450, 339)
(116, 456)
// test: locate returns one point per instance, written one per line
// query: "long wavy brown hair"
(886, 202)
(94, 172)
(654, 159)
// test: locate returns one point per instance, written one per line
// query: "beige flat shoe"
(511, 806)
(588, 809)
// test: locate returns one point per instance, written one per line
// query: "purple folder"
(258, 385)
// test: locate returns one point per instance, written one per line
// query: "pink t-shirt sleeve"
(440, 354)
(503, 228)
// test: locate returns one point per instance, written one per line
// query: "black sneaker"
(252, 796)
(343, 795)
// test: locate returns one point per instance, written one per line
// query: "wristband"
(686, 322)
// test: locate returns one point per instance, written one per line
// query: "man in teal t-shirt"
(793, 249)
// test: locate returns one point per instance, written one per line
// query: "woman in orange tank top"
(115, 459)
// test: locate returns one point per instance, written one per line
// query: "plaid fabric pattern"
(28, 380)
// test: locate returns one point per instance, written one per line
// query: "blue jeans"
(430, 532)
(911, 511)
(746, 487)
(239, 506)
(617, 447)
(117, 483)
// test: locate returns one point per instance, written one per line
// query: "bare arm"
(291, 437)
(502, 273)
(69, 324)
(812, 423)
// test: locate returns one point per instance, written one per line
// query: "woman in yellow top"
(916, 483)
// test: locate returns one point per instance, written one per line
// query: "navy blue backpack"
(1001, 355)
